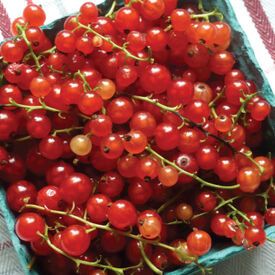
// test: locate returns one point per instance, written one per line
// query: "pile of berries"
(128, 143)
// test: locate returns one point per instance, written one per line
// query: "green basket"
(241, 47)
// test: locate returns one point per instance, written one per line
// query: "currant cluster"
(129, 143)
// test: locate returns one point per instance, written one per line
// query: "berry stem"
(252, 160)
(199, 126)
(207, 14)
(184, 119)
(116, 46)
(67, 130)
(204, 12)
(221, 204)
(147, 261)
(78, 262)
(31, 263)
(200, 6)
(194, 176)
(204, 270)
(35, 58)
(86, 85)
(155, 102)
(43, 106)
(29, 108)
(103, 227)
(240, 111)
(219, 95)
(271, 240)
(240, 213)
(49, 51)
(265, 193)
(23, 138)
(110, 13)
(213, 111)
(172, 200)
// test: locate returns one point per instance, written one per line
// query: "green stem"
(43, 106)
(155, 102)
(147, 261)
(265, 193)
(270, 240)
(199, 126)
(261, 168)
(219, 95)
(184, 119)
(240, 111)
(103, 227)
(194, 176)
(177, 222)
(213, 111)
(221, 204)
(78, 262)
(23, 138)
(172, 200)
(23, 35)
(205, 15)
(111, 10)
(83, 116)
(55, 71)
(116, 46)
(86, 85)
(67, 130)
(204, 270)
(200, 6)
(237, 211)
(168, 28)
(49, 51)
(31, 108)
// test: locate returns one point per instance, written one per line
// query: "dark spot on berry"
(3, 162)
(35, 43)
(164, 265)
(202, 41)
(147, 179)
(191, 53)
(17, 71)
(12, 134)
(183, 161)
(126, 31)
(106, 149)
(61, 204)
(202, 87)
(256, 244)
(127, 137)
(141, 222)
(3, 65)
(167, 47)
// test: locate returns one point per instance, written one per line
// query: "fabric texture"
(253, 22)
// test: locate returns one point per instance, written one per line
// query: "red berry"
(199, 242)
(122, 214)
(27, 225)
(255, 236)
(34, 15)
(74, 240)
